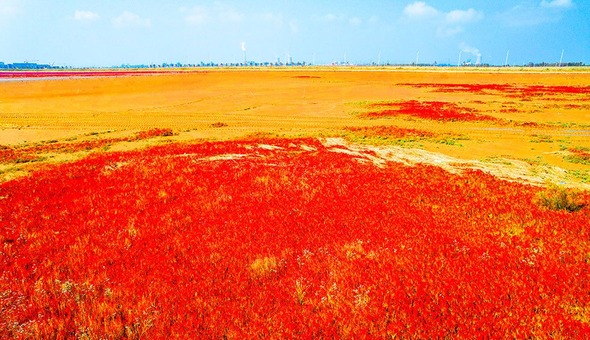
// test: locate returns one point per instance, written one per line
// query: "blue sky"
(115, 32)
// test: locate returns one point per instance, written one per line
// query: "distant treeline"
(35, 66)
(26, 66)
(554, 64)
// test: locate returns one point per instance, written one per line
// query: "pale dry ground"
(304, 102)
(511, 170)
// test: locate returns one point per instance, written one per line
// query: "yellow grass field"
(531, 140)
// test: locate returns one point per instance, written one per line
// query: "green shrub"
(559, 198)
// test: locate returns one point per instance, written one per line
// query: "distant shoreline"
(42, 74)
(11, 75)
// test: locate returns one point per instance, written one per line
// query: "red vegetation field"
(510, 89)
(434, 110)
(69, 73)
(389, 131)
(31, 153)
(580, 155)
(285, 238)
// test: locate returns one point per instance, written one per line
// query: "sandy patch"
(508, 169)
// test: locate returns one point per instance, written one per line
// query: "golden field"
(228, 104)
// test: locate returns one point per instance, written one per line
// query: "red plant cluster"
(284, 238)
(542, 89)
(514, 90)
(68, 73)
(219, 125)
(528, 124)
(31, 153)
(389, 131)
(156, 132)
(510, 110)
(435, 110)
(583, 154)
(576, 106)
(471, 88)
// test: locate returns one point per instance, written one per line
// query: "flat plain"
(295, 203)
(538, 117)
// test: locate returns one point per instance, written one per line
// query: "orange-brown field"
(540, 129)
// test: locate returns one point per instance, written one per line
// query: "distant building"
(25, 66)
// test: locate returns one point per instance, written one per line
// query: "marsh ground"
(541, 118)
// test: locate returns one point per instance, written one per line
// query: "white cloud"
(218, 12)
(534, 15)
(274, 19)
(448, 31)
(228, 13)
(278, 21)
(531, 14)
(463, 16)
(8, 8)
(342, 19)
(129, 19)
(85, 15)
(557, 4)
(355, 21)
(293, 26)
(447, 23)
(196, 15)
(330, 17)
(420, 9)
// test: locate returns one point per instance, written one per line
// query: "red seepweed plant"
(31, 153)
(434, 110)
(284, 238)
(389, 131)
(511, 89)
